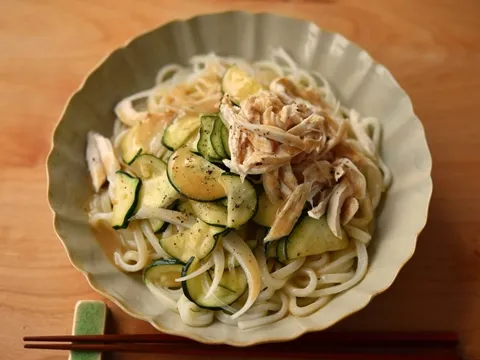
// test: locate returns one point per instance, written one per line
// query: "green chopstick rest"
(89, 318)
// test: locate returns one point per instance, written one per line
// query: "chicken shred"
(289, 213)
(302, 147)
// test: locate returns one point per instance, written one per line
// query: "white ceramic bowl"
(358, 81)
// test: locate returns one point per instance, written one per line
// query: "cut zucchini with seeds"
(312, 237)
(198, 241)
(212, 213)
(195, 177)
(233, 285)
(179, 132)
(267, 211)
(238, 84)
(216, 138)
(127, 189)
(205, 146)
(242, 199)
(163, 272)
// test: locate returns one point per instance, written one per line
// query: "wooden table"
(431, 46)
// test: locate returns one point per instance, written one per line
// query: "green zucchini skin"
(122, 211)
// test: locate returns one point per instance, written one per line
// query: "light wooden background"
(431, 46)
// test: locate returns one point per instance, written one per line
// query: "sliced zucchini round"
(212, 213)
(242, 199)
(129, 147)
(267, 211)
(281, 251)
(147, 166)
(238, 84)
(163, 272)
(157, 192)
(192, 142)
(184, 206)
(216, 138)
(312, 237)
(223, 201)
(232, 286)
(178, 132)
(205, 145)
(198, 241)
(225, 142)
(270, 249)
(138, 138)
(127, 190)
(156, 189)
(194, 177)
(158, 226)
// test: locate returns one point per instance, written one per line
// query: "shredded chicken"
(300, 145)
(94, 162)
(289, 213)
(340, 194)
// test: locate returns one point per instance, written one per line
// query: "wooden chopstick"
(363, 339)
(199, 350)
(328, 344)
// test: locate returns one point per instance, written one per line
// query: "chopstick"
(244, 352)
(331, 345)
(346, 338)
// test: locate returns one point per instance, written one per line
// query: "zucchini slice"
(156, 190)
(212, 213)
(242, 199)
(147, 166)
(195, 177)
(163, 272)
(205, 146)
(223, 201)
(238, 84)
(225, 142)
(270, 249)
(216, 138)
(137, 140)
(178, 132)
(232, 286)
(267, 211)
(185, 207)
(130, 149)
(312, 237)
(127, 190)
(158, 226)
(198, 241)
(192, 142)
(281, 251)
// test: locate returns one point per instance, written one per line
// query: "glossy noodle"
(244, 192)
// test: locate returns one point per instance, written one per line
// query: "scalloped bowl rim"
(266, 338)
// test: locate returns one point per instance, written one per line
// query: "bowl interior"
(358, 82)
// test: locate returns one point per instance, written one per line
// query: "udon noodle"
(310, 153)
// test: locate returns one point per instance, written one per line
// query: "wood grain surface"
(431, 46)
